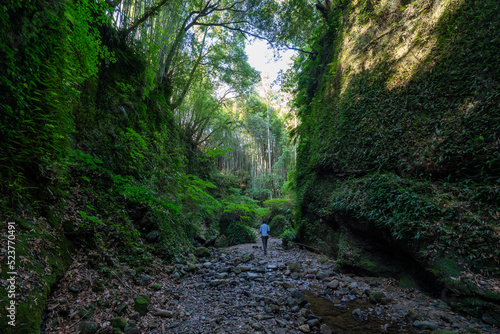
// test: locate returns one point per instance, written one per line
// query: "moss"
(407, 282)
(56, 249)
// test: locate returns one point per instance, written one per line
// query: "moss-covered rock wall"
(400, 133)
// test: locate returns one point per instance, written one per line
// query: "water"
(338, 315)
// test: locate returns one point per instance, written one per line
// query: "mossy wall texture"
(401, 131)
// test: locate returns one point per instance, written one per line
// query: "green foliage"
(239, 233)
(288, 237)
(415, 153)
(279, 206)
(46, 52)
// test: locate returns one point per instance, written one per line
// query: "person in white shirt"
(264, 232)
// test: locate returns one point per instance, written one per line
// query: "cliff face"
(399, 148)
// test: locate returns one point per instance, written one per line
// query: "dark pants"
(264, 243)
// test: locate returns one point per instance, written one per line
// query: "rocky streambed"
(241, 290)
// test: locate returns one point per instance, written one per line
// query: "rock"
(88, 327)
(175, 275)
(305, 328)
(324, 329)
(131, 328)
(244, 268)
(162, 313)
(313, 322)
(215, 282)
(257, 326)
(202, 252)
(295, 275)
(143, 279)
(120, 309)
(222, 275)
(245, 257)
(135, 316)
(119, 322)
(376, 297)
(141, 305)
(156, 287)
(425, 325)
(237, 270)
(191, 267)
(334, 285)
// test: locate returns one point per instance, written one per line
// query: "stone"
(376, 297)
(324, 329)
(257, 326)
(143, 279)
(191, 267)
(245, 257)
(175, 275)
(88, 327)
(202, 252)
(156, 287)
(119, 322)
(425, 325)
(305, 328)
(334, 285)
(121, 308)
(313, 322)
(135, 315)
(141, 305)
(162, 313)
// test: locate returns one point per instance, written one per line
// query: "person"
(264, 232)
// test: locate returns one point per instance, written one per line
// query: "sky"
(261, 57)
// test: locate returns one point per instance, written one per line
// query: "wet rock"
(88, 327)
(425, 325)
(135, 315)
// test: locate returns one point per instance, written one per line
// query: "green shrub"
(278, 224)
(239, 233)
(288, 237)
